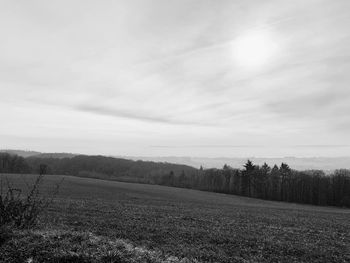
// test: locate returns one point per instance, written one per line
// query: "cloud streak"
(131, 115)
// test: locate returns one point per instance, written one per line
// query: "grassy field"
(166, 223)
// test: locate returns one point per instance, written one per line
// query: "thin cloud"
(131, 115)
(208, 146)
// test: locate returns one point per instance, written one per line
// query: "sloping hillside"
(108, 167)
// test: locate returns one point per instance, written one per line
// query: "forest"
(278, 183)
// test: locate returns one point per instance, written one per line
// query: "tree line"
(279, 183)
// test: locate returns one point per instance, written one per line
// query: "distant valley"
(297, 163)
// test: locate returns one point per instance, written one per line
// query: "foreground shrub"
(21, 209)
(5, 234)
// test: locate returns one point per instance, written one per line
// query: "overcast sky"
(185, 78)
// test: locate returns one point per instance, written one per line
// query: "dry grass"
(72, 246)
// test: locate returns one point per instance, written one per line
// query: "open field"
(202, 226)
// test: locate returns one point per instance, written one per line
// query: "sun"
(254, 49)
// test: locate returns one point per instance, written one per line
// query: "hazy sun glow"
(254, 49)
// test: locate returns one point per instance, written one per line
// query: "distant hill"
(298, 163)
(108, 167)
(26, 154)
(97, 166)
(20, 152)
(55, 155)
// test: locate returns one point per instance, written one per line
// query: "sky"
(176, 78)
